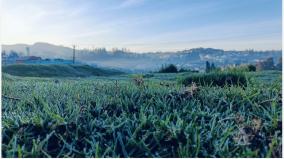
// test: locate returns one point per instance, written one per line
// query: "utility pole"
(4, 57)
(73, 54)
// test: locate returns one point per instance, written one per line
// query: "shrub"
(171, 68)
(242, 68)
(216, 79)
(251, 68)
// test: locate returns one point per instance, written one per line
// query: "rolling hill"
(193, 58)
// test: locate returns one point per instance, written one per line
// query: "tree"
(169, 69)
(208, 68)
(13, 55)
(3, 53)
(251, 68)
(269, 63)
(212, 66)
(279, 65)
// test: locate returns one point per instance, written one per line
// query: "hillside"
(44, 50)
(57, 70)
(193, 58)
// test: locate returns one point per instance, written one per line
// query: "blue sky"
(144, 25)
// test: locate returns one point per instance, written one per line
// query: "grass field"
(35, 70)
(132, 116)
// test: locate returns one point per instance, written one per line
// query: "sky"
(144, 25)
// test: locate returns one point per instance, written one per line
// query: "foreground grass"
(109, 118)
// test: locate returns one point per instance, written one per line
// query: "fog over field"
(131, 61)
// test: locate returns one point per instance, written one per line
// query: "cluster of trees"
(171, 68)
(251, 68)
(209, 67)
(268, 64)
(11, 55)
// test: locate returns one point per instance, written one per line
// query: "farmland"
(153, 115)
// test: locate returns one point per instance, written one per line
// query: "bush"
(216, 79)
(171, 68)
(251, 68)
(242, 68)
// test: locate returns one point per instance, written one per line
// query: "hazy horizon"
(144, 25)
(132, 51)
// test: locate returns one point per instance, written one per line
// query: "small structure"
(266, 64)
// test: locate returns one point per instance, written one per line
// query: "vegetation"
(209, 68)
(217, 79)
(184, 70)
(56, 70)
(171, 68)
(241, 68)
(267, 64)
(251, 68)
(187, 70)
(148, 75)
(279, 65)
(137, 117)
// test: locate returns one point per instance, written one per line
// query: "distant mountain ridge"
(192, 58)
(45, 50)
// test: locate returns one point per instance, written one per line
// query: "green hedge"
(216, 79)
